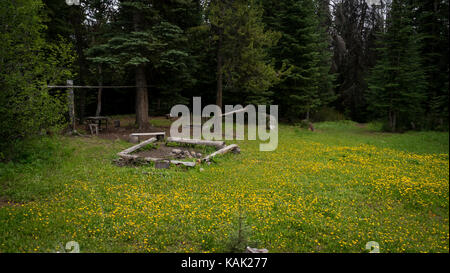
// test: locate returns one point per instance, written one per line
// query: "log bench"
(215, 143)
(134, 137)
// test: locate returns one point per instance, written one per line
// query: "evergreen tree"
(303, 48)
(351, 26)
(174, 78)
(397, 82)
(143, 40)
(326, 77)
(68, 22)
(432, 22)
(242, 44)
(98, 14)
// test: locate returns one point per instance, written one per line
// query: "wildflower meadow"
(332, 190)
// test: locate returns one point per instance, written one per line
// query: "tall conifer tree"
(397, 82)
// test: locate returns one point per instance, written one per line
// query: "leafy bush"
(28, 63)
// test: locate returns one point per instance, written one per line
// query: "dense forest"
(317, 59)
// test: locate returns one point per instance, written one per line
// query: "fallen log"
(215, 143)
(185, 163)
(175, 162)
(159, 135)
(224, 150)
(127, 156)
(148, 134)
(156, 160)
(136, 147)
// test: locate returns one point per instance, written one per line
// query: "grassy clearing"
(327, 191)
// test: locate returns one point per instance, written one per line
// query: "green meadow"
(331, 190)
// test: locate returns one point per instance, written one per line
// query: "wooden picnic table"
(98, 120)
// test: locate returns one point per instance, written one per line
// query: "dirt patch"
(167, 152)
(127, 127)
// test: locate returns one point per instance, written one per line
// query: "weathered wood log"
(185, 163)
(127, 156)
(162, 165)
(159, 135)
(224, 150)
(148, 134)
(215, 143)
(255, 250)
(136, 147)
(175, 162)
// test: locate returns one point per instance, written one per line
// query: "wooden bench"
(134, 137)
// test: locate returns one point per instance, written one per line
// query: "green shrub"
(28, 63)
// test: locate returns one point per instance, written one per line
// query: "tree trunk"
(141, 84)
(81, 60)
(99, 94)
(99, 102)
(392, 120)
(141, 98)
(219, 72)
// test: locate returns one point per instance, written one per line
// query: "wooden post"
(71, 103)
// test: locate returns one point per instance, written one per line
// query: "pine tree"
(68, 22)
(174, 78)
(351, 33)
(143, 40)
(326, 78)
(432, 21)
(303, 48)
(242, 43)
(397, 82)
